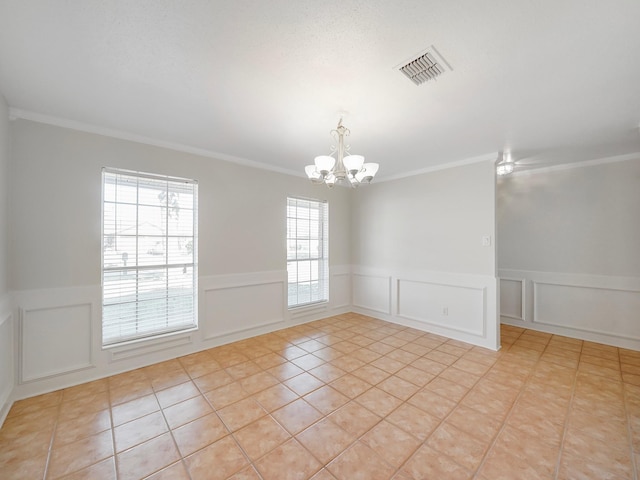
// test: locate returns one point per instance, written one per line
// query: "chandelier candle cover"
(349, 170)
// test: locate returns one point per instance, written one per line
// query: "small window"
(307, 251)
(149, 267)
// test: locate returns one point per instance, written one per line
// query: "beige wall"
(55, 255)
(568, 251)
(7, 350)
(433, 222)
(418, 257)
(582, 220)
(4, 185)
(56, 200)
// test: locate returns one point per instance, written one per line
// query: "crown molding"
(578, 164)
(443, 166)
(16, 113)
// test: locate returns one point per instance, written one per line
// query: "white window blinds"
(307, 251)
(149, 267)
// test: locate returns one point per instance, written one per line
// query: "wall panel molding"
(372, 292)
(232, 304)
(242, 279)
(340, 288)
(55, 340)
(587, 308)
(456, 305)
(231, 307)
(513, 298)
(590, 307)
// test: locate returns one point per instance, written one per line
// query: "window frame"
(187, 302)
(321, 260)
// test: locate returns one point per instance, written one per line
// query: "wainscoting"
(459, 306)
(57, 332)
(7, 355)
(51, 338)
(602, 309)
(43, 331)
(232, 304)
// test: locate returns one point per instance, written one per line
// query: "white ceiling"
(554, 81)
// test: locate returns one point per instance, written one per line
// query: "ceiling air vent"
(427, 65)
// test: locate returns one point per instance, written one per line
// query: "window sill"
(304, 310)
(143, 346)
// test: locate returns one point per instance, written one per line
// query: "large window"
(307, 251)
(149, 268)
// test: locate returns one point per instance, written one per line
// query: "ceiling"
(553, 81)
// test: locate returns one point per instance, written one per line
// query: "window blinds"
(149, 268)
(307, 251)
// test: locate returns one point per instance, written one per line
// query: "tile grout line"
(170, 430)
(567, 417)
(269, 414)
(397, 470)
(477, 474)
(53, 434)
(165, 420)
(113, 430)
(444, 419)
(356, 329)
(215, 412)
(359, 438)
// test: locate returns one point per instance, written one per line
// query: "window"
(307, 251)
(149, 268)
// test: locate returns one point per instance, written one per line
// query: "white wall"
(418, 255)
(569, 250)
(55, 245)
(6, 318)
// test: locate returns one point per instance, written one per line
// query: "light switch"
(486, 240)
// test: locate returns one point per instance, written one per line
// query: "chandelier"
(338, 168)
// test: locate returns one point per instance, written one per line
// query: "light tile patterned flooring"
(347, 398)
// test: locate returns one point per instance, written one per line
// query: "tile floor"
(347, 398)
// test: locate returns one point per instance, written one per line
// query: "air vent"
(428, 65)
